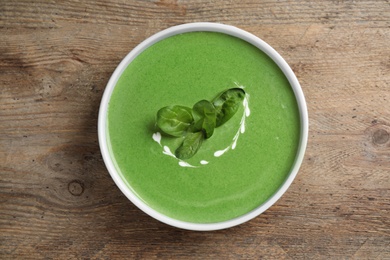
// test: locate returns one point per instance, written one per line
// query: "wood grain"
(57, 199)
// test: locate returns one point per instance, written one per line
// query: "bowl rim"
(208, 27)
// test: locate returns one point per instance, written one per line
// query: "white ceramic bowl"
(213, 27)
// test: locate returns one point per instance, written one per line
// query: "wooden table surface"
(57, 199)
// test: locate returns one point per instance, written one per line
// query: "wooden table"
(57, 199)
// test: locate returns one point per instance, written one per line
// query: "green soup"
(182, 70)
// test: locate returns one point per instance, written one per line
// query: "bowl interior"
(107, 145)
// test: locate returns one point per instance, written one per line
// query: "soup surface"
(219, 183)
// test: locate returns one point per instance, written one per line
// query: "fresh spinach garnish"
(227, 104)
(205, 116)
(190, 145)
(198, 123)
(174, 120)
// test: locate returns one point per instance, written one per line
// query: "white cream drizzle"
(220, 152)
(167, 151)
(157, 137)
(241, 129)
(186, 164)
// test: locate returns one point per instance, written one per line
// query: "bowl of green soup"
(203, 126)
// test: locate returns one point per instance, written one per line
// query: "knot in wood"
(76, 187)
(380, 136)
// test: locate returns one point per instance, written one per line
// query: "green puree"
(182, 70)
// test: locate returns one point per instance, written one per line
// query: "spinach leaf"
(204, 117)
(227, 104)
(190, 145)
(174, 120)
